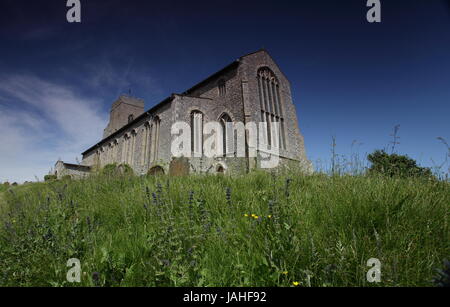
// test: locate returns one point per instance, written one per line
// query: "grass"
(2, 190)
(192, 231)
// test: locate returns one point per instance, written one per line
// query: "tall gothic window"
(154, 148)
(109, 152)
(227, 134)
(146, 144)
(115, 151)
(131, 151)
(197, 133)
(222, 87)
(271, 106)
(125, 147)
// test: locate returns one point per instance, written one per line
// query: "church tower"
(123, 111)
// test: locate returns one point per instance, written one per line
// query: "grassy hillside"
(255, 230)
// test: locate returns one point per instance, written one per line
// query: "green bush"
(394, 165)
(4, 186)
(50, 177)
(67, 178)
(115, 170)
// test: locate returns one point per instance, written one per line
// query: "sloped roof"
(232, 65)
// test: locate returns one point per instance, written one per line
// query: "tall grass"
(253, 230)
(3, 188)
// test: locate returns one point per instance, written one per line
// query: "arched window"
(125, 147)
(115, 151)
(222, 88)
(130, 118)
(131, 151)
(145, 155)
(271, 106)
(197, 133)
(154, 150)
(227, 134)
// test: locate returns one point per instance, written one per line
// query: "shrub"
(114, 170)
(109, 169)
(67, 177)
(394, 165)
(50, 177)
(155, 171)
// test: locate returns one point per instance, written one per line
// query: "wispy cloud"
(42, 121)
(114, 74)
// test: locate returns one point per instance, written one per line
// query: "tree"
(394, 165)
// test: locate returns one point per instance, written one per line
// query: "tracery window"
(271, 106)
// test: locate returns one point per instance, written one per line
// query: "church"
(252, 89)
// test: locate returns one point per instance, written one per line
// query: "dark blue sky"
(350, 78)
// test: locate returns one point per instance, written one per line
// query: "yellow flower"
(295, 283)
(256, 217)
(246, 215)
(269, 216)
(285, 272)
(253, 215)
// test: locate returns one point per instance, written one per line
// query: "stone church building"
(251, 89)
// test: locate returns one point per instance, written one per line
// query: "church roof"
(232, 65)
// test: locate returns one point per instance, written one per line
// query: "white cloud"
(41, 121)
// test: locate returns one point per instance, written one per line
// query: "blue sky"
(350, 79)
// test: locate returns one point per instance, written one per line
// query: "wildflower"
(256, 217)
(285, 272)
(159, 188)
(295, 283)
(89, 224)
(288, 182)
(155, 198)
(246, 215)
(147, 192)
(269, 216)
(271, 205)
(253, 215)
(191, 198)
(228, 196)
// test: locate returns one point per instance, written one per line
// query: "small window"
(222, 88)
(130, 118)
